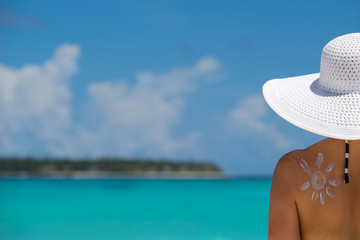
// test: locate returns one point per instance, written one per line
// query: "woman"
(315, 192)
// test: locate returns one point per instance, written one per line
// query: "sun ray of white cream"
(322, 197)
(305, 186)
(305, 166)
(329, 167)
(330, 192)
(314, 196)
(319, 160)
(334, 182)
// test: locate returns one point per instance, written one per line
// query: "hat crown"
(340, 64)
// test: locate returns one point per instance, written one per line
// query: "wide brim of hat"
(302, 102)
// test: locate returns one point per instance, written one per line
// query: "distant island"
(105, 167)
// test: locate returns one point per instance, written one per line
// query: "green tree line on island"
(105, 166)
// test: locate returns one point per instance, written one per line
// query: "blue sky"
(173, 79)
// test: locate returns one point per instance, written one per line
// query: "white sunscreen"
(318, 180)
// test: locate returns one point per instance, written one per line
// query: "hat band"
(319, 88)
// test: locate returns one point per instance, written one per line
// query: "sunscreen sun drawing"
(318, 180)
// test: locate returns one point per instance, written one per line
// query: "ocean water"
(133, 209)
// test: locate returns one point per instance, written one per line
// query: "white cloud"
(248, 117)
(139, 118)
(207, 64)
(34, 101)
(122, 119)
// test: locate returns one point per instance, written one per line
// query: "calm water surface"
(133, 209)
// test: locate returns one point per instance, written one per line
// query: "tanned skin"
(294, 216)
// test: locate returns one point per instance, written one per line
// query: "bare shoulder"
(288, 164)
(297, 160)
(287, 175)
(283, 214)
(290, 158)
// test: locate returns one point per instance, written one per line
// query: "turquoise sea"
(133, 209)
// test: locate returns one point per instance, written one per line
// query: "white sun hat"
(325, 103)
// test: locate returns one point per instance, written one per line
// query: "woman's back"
(309, 196)
(309, 199)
